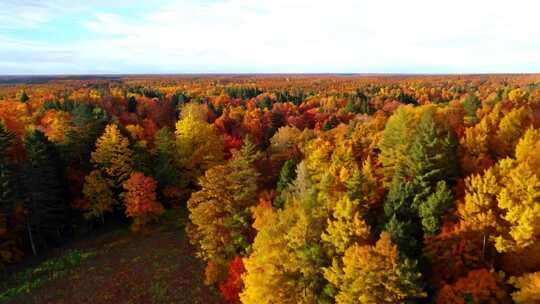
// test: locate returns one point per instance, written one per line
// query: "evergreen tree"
(131, 105)
(8, 189)
(471, 105)
(165, 165)
(403, 222)
(46, 204)
(24, 97)
(287, 174)
(87, 124)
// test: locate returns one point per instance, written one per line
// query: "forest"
(295, 188)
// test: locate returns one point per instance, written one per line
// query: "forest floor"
(117, 267)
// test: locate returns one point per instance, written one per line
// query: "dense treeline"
(301, 189)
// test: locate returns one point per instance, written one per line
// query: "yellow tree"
(97, 190)
(371, 274)
(286, 260)
(511, 128)
(113, 155)
(527, 150)
(520, 202)
(346, 227)
(219, 212)
(528, 287)
(479, 212)
(198, 145)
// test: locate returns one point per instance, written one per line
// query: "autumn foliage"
(140, 200)
(298, 188)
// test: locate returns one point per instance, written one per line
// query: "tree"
(165, 165)
(140, 200)
(511, 128)
(479, 211)
(397, 139)
(372, 274)
(113, 155)
(527, 150)
(402, 219)
(198, 146)
(220, 211)
(86, 126)
(286, 175)
(55, 125)
(471, 105)
(8, 188)
(285, 264)
(231, 288)
(528, 286)
(45, 195)
(418, 195)
(131, 105)
(519, 202)
(9, 197)
(98, 192)
(434, 208)
(479, 286)
(24, 97)
(346, 227)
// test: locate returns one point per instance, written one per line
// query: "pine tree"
(24, 97)
(403, 222)
(434, 208)
(86, 126)
(44, 186)
(286, 176)
(8, 187)
(131, 105)
(165, 165)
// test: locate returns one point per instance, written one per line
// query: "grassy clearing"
(30, 279)
(118, 267)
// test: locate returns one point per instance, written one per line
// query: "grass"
(157, 266)
(30, 279)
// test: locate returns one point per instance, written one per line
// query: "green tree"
(286, 175)
(24, 97)
(46, 205)
(165, 166)
(8, 186)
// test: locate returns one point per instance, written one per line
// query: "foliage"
(113, 155)
(140, 200)
(371, 274)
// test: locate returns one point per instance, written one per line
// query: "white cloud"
(308, 36)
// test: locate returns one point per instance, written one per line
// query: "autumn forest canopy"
(297, 188)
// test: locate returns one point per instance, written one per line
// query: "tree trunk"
(31, 237)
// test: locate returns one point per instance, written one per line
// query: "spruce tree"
(287, 175)
(8, 190)
(44, 187)
(165, 165)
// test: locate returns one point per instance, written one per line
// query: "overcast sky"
(270, 36)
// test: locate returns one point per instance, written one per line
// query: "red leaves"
(479, 286)
(140, 199)
(231, 288)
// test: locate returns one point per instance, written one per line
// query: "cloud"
(298, 36)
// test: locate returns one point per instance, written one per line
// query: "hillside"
(117, 267)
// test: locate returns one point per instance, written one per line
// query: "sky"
(269, 36)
